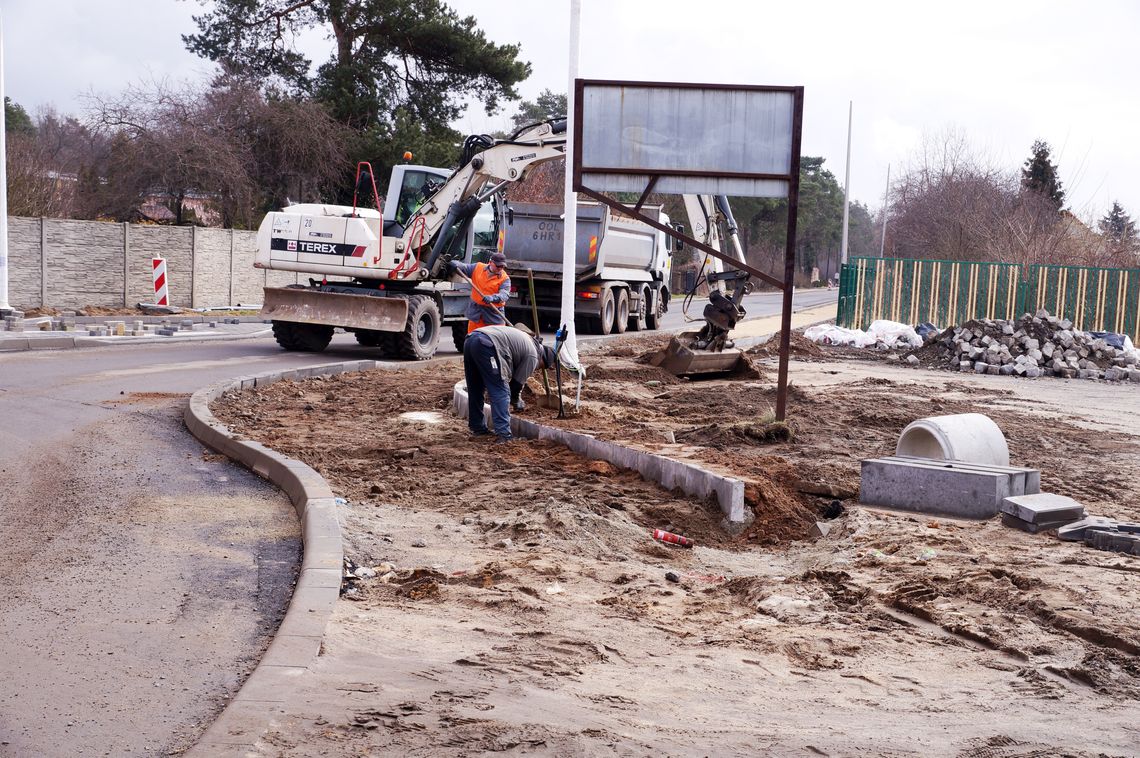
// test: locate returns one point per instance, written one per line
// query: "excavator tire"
(420, 337)
(305, 338)
(621, 319)
(459, 335)
(369, 337)
(389, 345)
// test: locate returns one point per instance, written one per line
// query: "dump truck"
(622, 266)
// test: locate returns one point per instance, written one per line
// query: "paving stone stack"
(1045, 511)
(1033, 346)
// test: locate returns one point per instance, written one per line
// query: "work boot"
(480, 432)
(502, 440)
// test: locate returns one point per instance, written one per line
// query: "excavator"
(709, 350)
(382, 274)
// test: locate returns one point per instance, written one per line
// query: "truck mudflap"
(305, 306)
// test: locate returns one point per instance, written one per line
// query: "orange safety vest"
(486, 283)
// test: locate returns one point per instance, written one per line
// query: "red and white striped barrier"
(161, 295)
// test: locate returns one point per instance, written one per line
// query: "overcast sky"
(1001, 72)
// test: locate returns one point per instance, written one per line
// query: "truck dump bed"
(609, 245)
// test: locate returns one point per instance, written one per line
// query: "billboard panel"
(694, 138)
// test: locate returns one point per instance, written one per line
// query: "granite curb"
(62, 342)
(668, 472)
(238, 729)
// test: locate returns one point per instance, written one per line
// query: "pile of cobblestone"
(1033, 346)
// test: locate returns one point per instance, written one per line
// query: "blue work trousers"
(481, 370)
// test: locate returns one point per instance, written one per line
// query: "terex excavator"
(390, 285)
(383, 274)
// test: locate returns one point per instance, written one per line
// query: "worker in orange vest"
(490, 291)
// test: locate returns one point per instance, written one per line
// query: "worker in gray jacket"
(497, 361)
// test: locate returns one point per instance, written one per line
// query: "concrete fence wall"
(60, 263)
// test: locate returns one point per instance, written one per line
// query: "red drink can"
(673, 539)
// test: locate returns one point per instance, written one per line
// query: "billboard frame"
(792, 178)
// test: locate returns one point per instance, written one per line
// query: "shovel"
(467, 279)
(534, 315)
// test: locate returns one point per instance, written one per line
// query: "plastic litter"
(890, 334)
(672, 539)
(927, 331)
(1111, 338)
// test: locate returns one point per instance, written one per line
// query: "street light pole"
(886, 195)
(847, 184)
(5, 309)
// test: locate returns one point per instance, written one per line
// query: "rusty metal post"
(789, 262)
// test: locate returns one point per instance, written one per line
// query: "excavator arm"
(709, 351)
(445, 214)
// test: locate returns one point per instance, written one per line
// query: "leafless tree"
(953, 203)
(228, 150)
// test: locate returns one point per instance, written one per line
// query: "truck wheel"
(657, 307)
(606, 312)
(621, 321)
(637, 316)
(306, 338)
(459, 335)
(421, 334)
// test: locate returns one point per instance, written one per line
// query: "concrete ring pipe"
(969, 437)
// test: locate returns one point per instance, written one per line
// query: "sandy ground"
(522, 607)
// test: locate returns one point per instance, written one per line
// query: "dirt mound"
(720, 436)
(621, 372)
(799, 346)
(98, 310)
(780, 512)
(37, 312)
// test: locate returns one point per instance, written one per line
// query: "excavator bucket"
(381, 314)
(680, 358)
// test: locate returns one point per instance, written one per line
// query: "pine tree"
(1040, 175)
(1118, 226)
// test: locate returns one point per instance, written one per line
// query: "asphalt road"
(140, 579)
(141, 576)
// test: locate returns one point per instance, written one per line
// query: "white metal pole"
(847, 185)
(569, 354)
(886, 195)
(4, 307)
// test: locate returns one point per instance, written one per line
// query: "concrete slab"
(1079, 530)
(952, 488)
(1043, 507)
(1029, 526)
(1023, 481)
